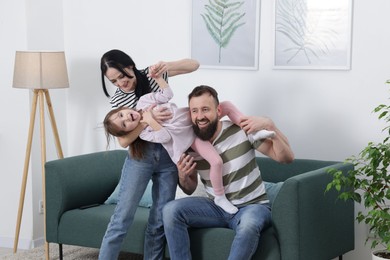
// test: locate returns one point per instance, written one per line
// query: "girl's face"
(120, 80)
(126, 119)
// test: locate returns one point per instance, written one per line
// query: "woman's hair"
(203, 89)
(119, 60)
(136, 148)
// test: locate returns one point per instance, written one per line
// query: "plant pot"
(380, 255)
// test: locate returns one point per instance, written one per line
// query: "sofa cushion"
(146, 200)
(86, 227)
(272, 190)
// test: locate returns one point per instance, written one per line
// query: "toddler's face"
(126, 119)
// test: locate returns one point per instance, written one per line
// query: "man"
(242, 181)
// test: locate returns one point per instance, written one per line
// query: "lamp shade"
(40, 70)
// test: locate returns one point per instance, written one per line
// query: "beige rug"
(69, 253)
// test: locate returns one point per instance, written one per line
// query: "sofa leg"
(60, 251)
(340, 257)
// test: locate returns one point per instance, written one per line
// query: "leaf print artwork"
(225, 33)
(222, 18)
(312, 33)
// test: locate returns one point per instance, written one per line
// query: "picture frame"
(312, 34)
(235, 44)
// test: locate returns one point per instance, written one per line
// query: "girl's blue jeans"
(201, 212)
(155, 165)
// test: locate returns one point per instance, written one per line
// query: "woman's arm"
(175, 67)
(182, 67)
(278, 147)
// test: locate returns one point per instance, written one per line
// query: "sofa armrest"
(79, 181)
(310, 223)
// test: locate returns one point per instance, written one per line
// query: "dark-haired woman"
(155, 163)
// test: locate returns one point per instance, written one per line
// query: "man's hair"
(203, 89)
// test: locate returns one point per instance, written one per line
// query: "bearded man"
(242, 180)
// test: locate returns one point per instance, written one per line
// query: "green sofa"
(307, 223)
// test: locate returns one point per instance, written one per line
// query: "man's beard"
(206, 133)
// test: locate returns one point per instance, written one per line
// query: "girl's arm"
(147, 118)
(175, 67)
(158, 134)
(126, 140)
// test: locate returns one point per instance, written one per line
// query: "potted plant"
(368, 184)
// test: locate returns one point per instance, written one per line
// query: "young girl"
(176, 135)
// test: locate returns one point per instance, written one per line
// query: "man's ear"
(219, 111)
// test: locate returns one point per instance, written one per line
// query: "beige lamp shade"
(40, 70)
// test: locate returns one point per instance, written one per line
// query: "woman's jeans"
(201, 212)
(155, 165)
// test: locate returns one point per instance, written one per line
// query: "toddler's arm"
(158, 134)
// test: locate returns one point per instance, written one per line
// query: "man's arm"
(188, 179)
(277, 148)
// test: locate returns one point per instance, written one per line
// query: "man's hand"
(187, 174)
(252, 124)
(186, 165)
(277, 148)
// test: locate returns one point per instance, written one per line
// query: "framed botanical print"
(313, 34)
(225, 33)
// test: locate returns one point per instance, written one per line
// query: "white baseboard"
(24, 244)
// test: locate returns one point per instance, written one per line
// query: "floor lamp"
(39, 71)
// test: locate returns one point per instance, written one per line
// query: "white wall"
(26, 25)
(325, 114)
(13, 130)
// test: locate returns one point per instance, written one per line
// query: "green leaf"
(222, 18)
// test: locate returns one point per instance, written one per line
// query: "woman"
(154, 163)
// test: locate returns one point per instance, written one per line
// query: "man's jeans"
(201, 212)
(155, 165)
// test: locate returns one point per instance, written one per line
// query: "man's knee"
(169, 212)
